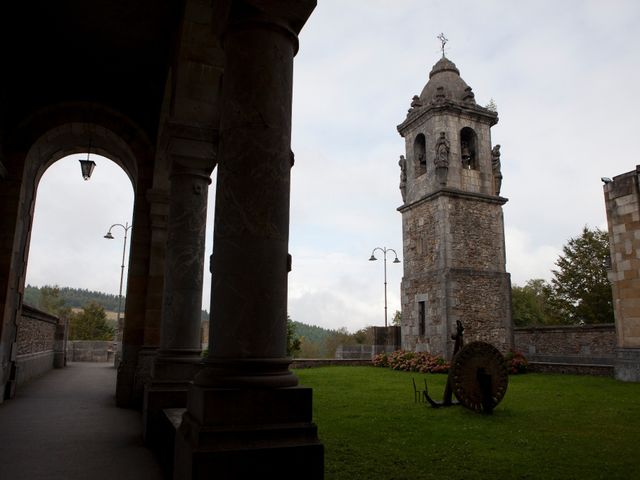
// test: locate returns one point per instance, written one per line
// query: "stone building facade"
(622, 201)
(452, 222)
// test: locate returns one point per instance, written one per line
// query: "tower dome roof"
(445, 83)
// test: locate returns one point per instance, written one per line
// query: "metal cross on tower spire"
(443, 40)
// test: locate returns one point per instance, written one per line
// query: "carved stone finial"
(443, 40)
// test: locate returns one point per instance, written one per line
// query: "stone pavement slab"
(66, 426)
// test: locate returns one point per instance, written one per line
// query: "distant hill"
(316, 341)
(312, 333)
(78, 298)
(75, 297)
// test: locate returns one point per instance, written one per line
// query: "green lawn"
(546, 427)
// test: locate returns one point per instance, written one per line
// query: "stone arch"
(420, 155)
(47, 136)
(469, 148)
(60, 142)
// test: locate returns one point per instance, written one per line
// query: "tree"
(581, 289)
(50, 300)
(293, 341)
(90, 324)
(531, 304)
(397, 318)
(309, 349)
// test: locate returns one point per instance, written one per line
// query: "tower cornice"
(420, 114)
(455, 193)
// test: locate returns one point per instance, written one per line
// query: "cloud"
(336, 290)
(525, 260)
(71, 217)
(564, 77)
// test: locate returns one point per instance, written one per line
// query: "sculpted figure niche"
(496, 168)
(442, 158)
(403, 177)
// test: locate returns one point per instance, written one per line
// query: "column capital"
(190, 146)
(290, 17)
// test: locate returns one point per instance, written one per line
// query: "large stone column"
(246, 416)
(179, 356)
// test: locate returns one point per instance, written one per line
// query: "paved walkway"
(65, 426)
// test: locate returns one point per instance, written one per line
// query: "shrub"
(421, 362)
(516, 362)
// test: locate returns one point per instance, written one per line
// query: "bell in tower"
(452, 221)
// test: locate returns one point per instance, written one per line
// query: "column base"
(627, 365)
(230, 433)
(126, 377)
(167, 388)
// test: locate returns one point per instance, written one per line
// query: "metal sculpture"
(447, 400)
(478, 376)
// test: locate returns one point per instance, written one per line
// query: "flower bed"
(423, 362)
(412, 362)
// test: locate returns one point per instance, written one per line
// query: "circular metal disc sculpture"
(479, 376)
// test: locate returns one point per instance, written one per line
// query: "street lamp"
(108, 236)
(87, 165)
(384, 251)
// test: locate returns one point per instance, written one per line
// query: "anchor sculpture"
(478, 376)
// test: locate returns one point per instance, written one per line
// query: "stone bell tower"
(452, 223)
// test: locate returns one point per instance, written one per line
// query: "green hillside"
(78, 298)
(317, 342)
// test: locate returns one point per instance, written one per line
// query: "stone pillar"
(179, 356)
(129, 391)
(245, 415)
(60, 344)
(622, 201)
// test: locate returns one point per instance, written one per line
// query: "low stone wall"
(33, 365)
(328, 362)
(36, 342)
(586, 349)
(354, 352)
(572, 369)
(91, 351)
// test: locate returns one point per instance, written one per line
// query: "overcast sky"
(564, 76)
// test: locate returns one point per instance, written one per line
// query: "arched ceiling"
(112, 52)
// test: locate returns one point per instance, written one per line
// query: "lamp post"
(384, 251)
(108, 236)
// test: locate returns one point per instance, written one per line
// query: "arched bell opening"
(468, 149)
(420, 155)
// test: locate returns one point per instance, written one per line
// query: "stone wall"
(354, 352)
(569, 345)
(36, 343)
(36, 331)
(91, 350)
(329, 362)
(387, 339)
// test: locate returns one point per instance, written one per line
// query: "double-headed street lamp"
(384, 251)
(126, 228)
